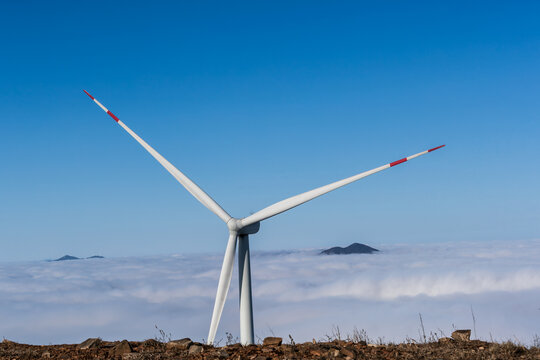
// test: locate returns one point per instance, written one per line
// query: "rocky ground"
(272, 348)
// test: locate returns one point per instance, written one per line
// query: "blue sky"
(258, 101)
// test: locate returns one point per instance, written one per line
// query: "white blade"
(186, 182)
(294, 201)
(223, 286)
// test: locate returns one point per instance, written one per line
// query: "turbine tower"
(241, 228)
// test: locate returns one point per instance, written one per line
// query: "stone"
(445, 340)
(348, 353)
(90, 343)
(124, 347)
(131, 356)
(272, 341)
(46, 355)
(195, 349)
(183, 344)
(223, 354)
(151, 343)
(462, 335)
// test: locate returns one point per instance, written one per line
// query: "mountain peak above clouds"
(71, 257)
(354, 248)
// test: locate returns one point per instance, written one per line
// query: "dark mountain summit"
(355, 248)
(70, 257)
(67, 257)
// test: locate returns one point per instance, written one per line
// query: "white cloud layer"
(296, 292)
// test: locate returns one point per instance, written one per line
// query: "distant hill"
(67, 257)
(70, 257)
(355, 248)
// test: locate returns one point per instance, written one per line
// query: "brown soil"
(152, 349)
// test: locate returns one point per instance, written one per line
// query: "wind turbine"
(241, 228)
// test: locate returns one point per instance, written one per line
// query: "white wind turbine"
(241, 228)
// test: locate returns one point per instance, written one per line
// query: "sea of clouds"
(296, 292)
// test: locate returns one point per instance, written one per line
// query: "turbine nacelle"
(235, 226)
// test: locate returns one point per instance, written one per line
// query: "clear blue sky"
(258, 101)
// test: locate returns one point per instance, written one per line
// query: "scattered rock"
(445, 340)
(122, 348)
(348, 353)
(151, 344)
(90, 343)
(449, 349)
(131, 356)
(223, 354)
(272, 341)
(462, 335)
(183, 344)
(108, 344)
(196, 349)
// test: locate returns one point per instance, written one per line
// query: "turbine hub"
(235, 226)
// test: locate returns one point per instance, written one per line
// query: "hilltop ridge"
(354, 248)
(71, 257)
(272, 348)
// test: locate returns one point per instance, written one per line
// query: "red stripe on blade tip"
(113, 116)
(398, 162)
(86, 92)
(435, 148)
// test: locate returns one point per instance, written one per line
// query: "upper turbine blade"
(294, 201)
(186, 182)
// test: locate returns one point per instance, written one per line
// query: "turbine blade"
(223, 286)
(186, 182)
(294, 201)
